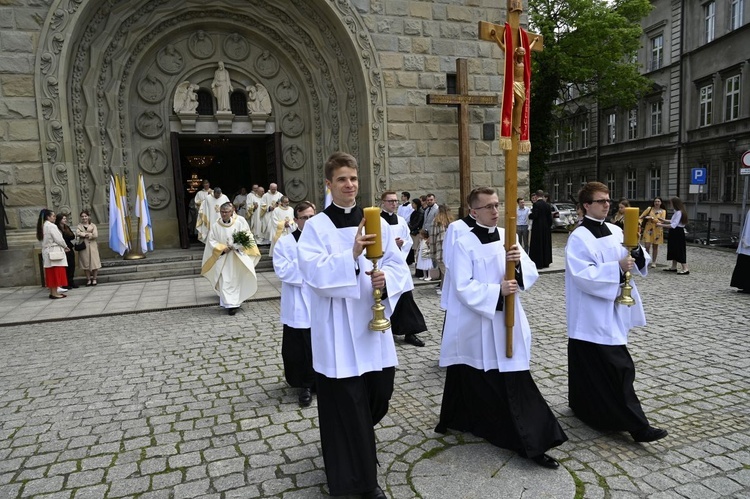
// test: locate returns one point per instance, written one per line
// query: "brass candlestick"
(626, 288)
(379, 321)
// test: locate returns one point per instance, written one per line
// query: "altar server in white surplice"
(230, 268)
(354, 366)
(208, 213)
(600, 369)
(296, 346)
(455, 230)
(486, 393)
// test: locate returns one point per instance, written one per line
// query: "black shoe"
(546, 461)
(377, 493)
(669, 270)
(232, 311)
(305, 397)
(648, 434)
(413, 339)
(74, 286)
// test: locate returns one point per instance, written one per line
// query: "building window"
(585, 131)
(729, 189)
(630, 185)
(656, 118)
(709, 14)
(238, 103)
(569, 186)
(654, 183)
(583, 180)
(732, 98)
(555, 188)
(557, 141)
(706, 98)
(611, 184)
(736, 11)
(569, 136)
(611, 134)
(657, 52)
(633, 124)
(725, 222)
(205, 102)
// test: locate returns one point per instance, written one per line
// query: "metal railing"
(712, 233)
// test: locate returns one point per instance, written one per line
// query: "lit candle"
(630, 238)
(372, 226)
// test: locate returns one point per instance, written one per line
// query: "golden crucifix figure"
(514, 125)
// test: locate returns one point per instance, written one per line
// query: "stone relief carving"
(152, 160)
(186, 98)
(45, 62)
(266, 64)
(151, 89)
(236, 47)
(149, 124)
(57, 42)
(258, 100)
(286, 93)
(61, 173)
(56, 131)
(221, 86)
(294, 157)
(158, 196)
(52, 86)
(201, 45)
(47, 109)
(51, 152)
(170, 60)
(292, 124)
(296, 190)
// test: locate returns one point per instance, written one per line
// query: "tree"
(589, 51)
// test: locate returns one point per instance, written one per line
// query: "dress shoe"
(648, 434)
(669, 270)
(377, 493)
(74, 286)
(52, 297)
(683, 272)
(305, 397)
(546, 461)
(232, 311)
(413, 339)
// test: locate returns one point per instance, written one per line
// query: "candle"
(630, 236)
(372, 226)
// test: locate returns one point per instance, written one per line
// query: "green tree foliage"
(589, 50)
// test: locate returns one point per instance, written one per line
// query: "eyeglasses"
(601, 201)
(390, 200)
(306, 217)
(495, 207)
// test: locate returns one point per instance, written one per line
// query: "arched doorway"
(109, 73)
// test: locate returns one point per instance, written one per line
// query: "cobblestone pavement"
(192, 403)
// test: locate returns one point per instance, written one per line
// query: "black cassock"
(406, 317)
(540, 246)
(741, 273)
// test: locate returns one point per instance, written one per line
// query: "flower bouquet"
(243, 239)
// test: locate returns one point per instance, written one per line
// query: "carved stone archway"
(107, 73)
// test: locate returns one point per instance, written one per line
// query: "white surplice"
(402, 230)
(405, 210)
(295, 296)
(240, 204)
(268, 206)
(208, 214)
(455, 230)
(592, 283)
(253, 214)
(279, 217)
(232, 274)
(474, 332)
(341, 298)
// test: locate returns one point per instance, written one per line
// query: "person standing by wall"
(54, 250)
(676, 245)
(522, 223)
(652, 233)
(88, 259)
(63, 223)
(540, 247)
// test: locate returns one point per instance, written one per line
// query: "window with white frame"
(633, 124)
(706, 104)
(610, 181)
(583, 180)
(585, 131)
(732, 98)
(569, 186)
(656, 118)
(735, 14)
(654, 183)
(611, 131)
(555, 188)
(709, 15)
(569, 136)
(557, 141)
(729, 180)
(631, 183)
(657, 52)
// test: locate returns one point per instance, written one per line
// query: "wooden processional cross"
(463, 100)
(496, 33)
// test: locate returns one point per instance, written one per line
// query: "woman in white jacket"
(53, 253)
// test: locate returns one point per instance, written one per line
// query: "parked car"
(564, 216)
(716, 238)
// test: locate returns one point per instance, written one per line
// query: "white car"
(564, 216)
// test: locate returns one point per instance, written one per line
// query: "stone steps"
(170, 263)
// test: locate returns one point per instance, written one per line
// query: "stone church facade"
(91, 88)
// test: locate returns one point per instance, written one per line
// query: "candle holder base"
(379, 322)
(626, 289)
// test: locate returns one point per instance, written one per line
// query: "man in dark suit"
(540, 248)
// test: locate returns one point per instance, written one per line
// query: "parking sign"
(698, 176)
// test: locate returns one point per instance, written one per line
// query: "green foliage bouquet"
(243, 238)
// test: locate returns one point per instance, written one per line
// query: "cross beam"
(463, 100)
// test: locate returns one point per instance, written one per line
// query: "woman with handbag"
(53, 253)
(88, 258)
(653, 234)
(61, 220)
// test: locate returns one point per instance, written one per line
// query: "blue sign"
(698, 176)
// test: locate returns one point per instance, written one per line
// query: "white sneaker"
(61, 290)
(428, 278)
(439, 292)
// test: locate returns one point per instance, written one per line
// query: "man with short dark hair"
(540, 246)
(296, 345)
(601, 371)
(486, 393)
(406, 209)
(522, 223)
(355, 367)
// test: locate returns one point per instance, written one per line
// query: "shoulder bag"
(56, 254)
(80, 245)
